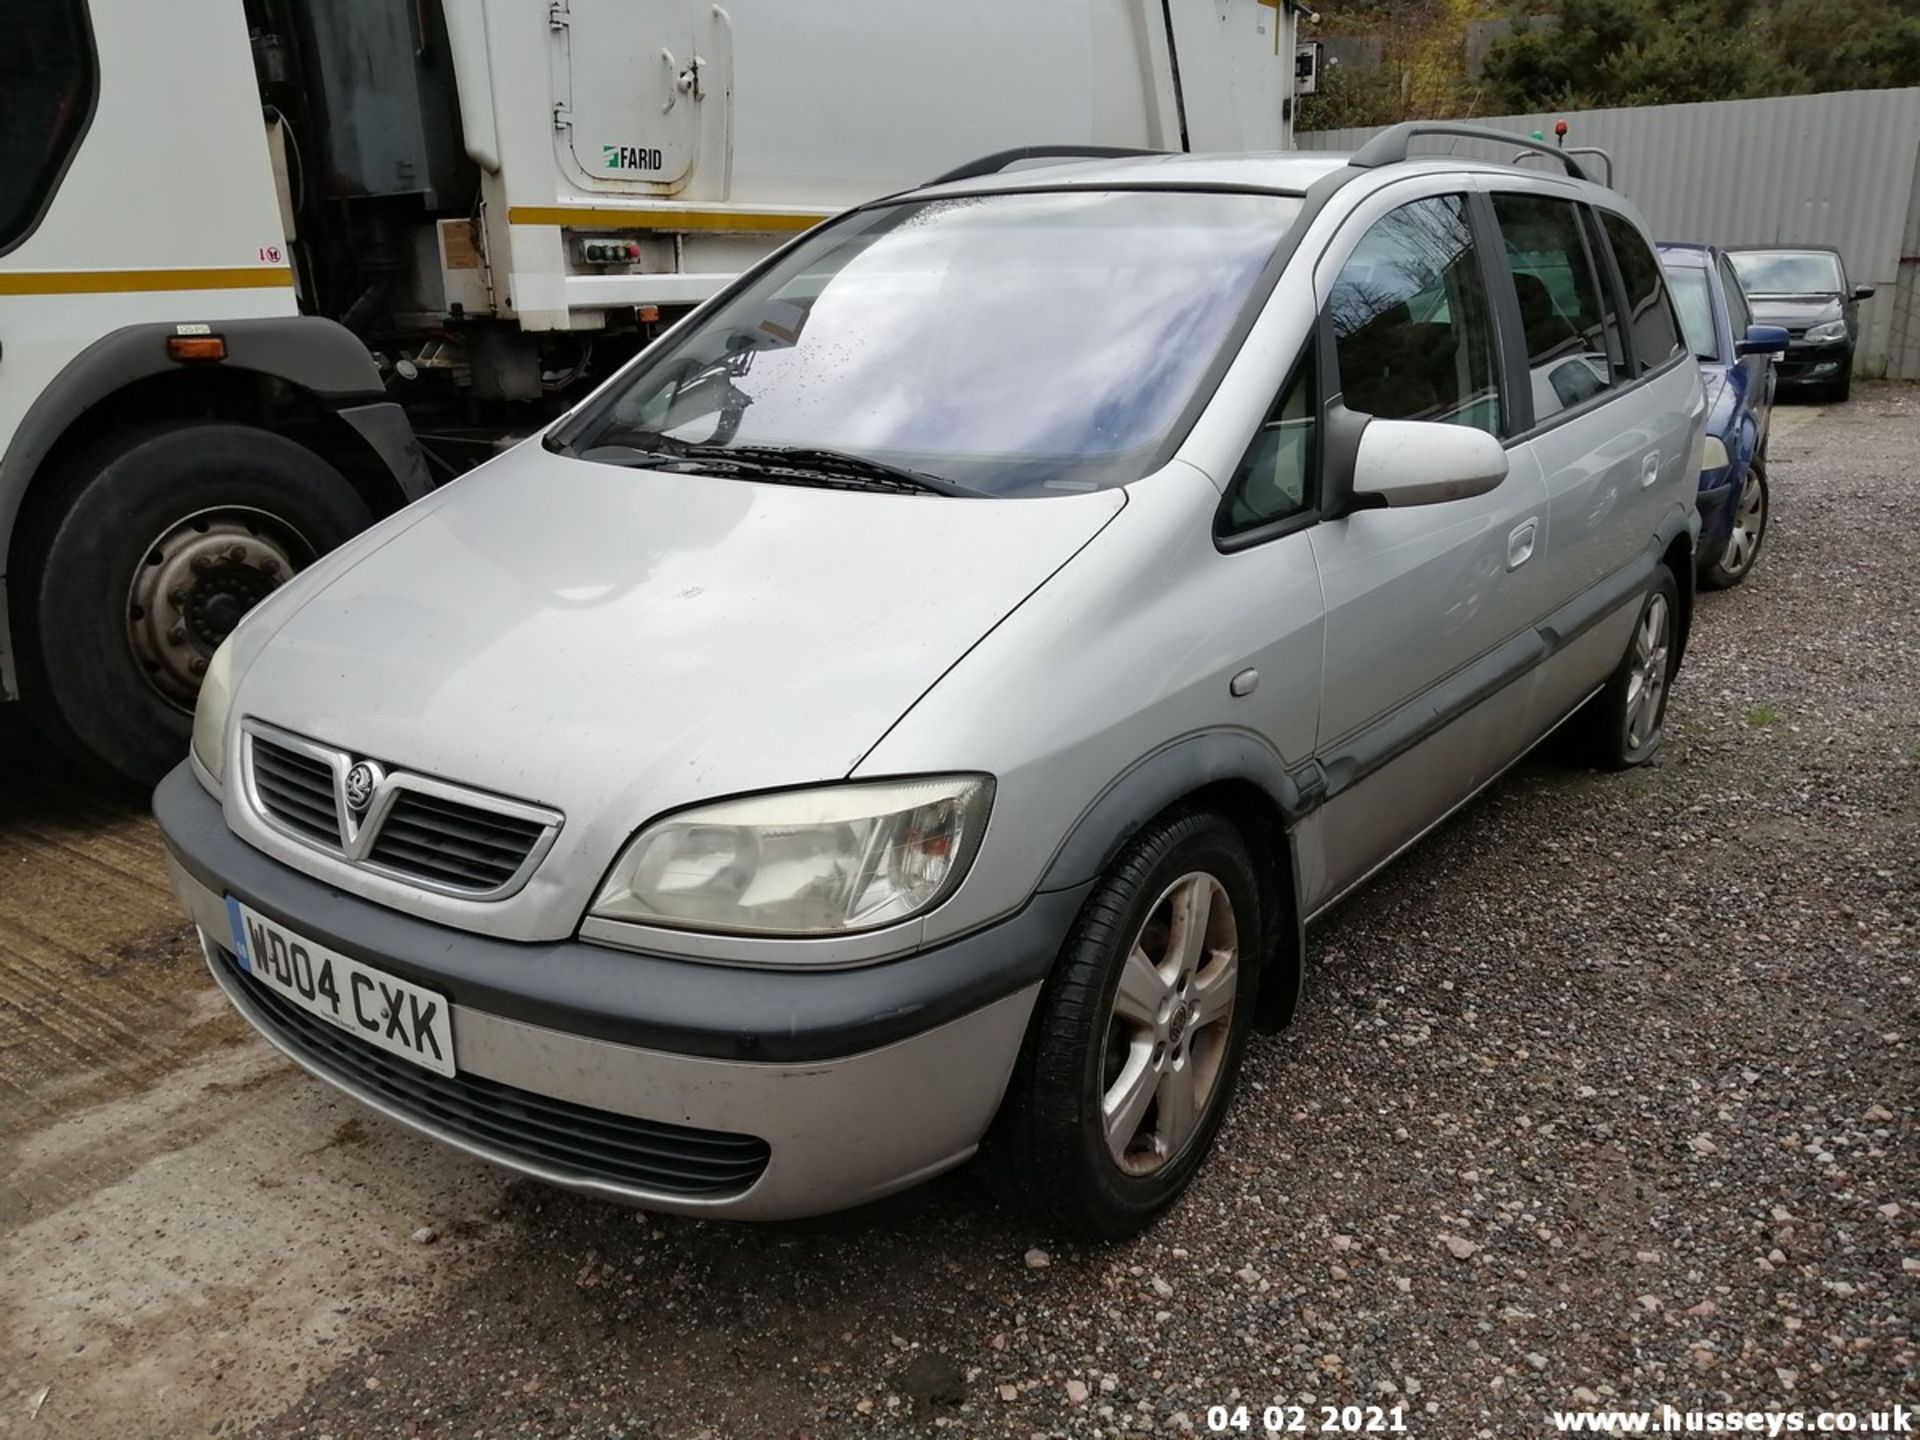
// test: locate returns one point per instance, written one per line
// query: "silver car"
(916, 707)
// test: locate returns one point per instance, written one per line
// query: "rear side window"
(1656, 336)
(1412, 328)
(46, 96)
(1566, 326)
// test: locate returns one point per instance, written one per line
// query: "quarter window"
(1571, 354)
(1413, 332)
(1656, 336)
(46, 93)
(1271, 482)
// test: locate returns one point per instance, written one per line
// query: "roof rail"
(1390, 146)
(1578, 150)
(1001, 159)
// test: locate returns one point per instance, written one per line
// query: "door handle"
(1520, 542)
(1650, 469)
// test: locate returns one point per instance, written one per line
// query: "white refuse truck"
(272, 268)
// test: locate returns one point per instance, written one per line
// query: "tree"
(1594, 53)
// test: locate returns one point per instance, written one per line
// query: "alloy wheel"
(1171, 1021)
(1647, 683)
(1749, 518)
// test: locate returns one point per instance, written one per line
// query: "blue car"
(1736, 366)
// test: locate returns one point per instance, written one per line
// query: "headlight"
(1829, 330)
(210, 712)
(824, 861)
(1714, 456)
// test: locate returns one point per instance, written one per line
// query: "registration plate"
(384, 1010)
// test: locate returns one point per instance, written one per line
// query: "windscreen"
(1690, 294)
(1018, 344)
(1787, 272)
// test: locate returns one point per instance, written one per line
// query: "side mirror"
(1421, 462)
(1863, 292)
(1762, 340)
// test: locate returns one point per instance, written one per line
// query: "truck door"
(628, 87)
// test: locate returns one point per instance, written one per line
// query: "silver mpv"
(916, 706)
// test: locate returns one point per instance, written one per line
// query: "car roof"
(1286, 172)
(1686, 252)
(1808, 249)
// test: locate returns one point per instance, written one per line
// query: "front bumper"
(1815, 364)
(678, 1086)
(1716, 504)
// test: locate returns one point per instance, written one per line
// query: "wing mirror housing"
(1762, 340)
(1863, 292)
(1421, 462)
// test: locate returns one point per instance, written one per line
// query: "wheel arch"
(1240, 777)
(304, 377)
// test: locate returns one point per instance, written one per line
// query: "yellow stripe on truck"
(607, 217)
(122, 282)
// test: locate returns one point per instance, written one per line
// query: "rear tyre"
(1133, 1051)
(1626, 721)
(157, 543)
(1750, 511)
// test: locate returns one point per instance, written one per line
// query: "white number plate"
(382, 1009)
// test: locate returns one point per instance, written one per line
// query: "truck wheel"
(159, 541)
(1132, 1053)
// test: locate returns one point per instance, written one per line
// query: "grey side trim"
(658, 1002)
(1397, 732)
(1447, 814)
(1154, 782)
(1431, 711)
(385, 427)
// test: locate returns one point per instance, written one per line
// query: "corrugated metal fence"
(1840, 169)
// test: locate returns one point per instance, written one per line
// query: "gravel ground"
(1605, 1096)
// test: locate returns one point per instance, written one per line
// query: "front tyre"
(1134, 1048)
(1626, 721)
(157, 543)
(1750, 512)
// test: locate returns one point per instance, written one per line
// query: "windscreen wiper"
(795, 464)
(810, 464)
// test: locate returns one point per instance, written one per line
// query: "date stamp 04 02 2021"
(1307, 1420)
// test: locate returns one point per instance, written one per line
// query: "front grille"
(297, 790)
(570, 1141)
(438, 834)
(453, 844)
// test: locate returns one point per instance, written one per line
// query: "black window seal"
(52, 189)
